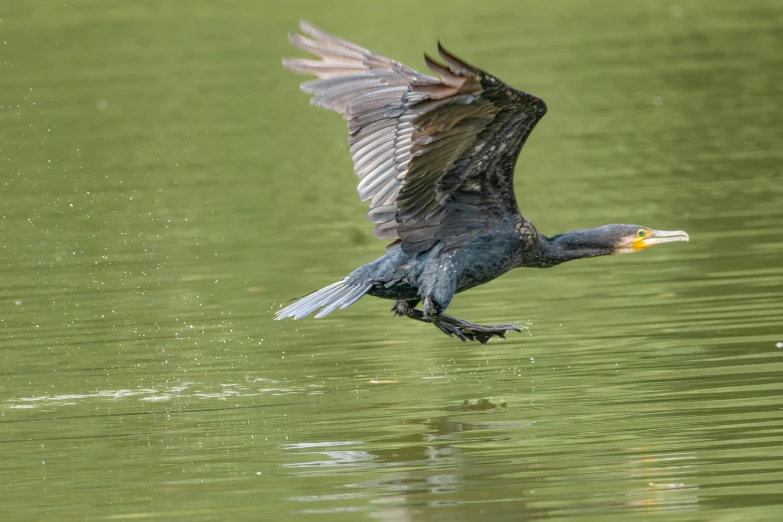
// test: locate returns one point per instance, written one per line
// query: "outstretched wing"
(435, 157)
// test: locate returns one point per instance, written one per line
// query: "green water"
(165, 187)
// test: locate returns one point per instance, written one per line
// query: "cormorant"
(435, 157)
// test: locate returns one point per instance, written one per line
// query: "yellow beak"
(656, 237)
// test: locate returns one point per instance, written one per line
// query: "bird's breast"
(482, 261)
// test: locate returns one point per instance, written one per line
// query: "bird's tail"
(332, 297)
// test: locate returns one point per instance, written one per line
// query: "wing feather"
(434, 156)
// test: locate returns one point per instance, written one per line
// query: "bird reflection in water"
(444, 463)
(426, 468)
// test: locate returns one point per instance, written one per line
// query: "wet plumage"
(435, 159)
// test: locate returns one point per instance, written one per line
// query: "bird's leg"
(404, 308)
(449, 325)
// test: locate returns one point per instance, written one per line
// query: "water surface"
(165, 188)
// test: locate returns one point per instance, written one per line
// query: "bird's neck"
(577, 244)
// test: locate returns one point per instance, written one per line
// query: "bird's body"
(401, 276)
(436, 157)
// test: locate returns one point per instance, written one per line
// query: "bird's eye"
(641, 233)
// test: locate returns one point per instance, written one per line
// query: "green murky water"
(165, 187)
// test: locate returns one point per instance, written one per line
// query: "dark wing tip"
(457, 65)
(435, 66)
(542, 106)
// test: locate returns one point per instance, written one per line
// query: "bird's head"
(626, 239)
(607, 240)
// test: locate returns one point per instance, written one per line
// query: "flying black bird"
(435, 157)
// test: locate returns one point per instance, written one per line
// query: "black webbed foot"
(451, 326)
(465, 330)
